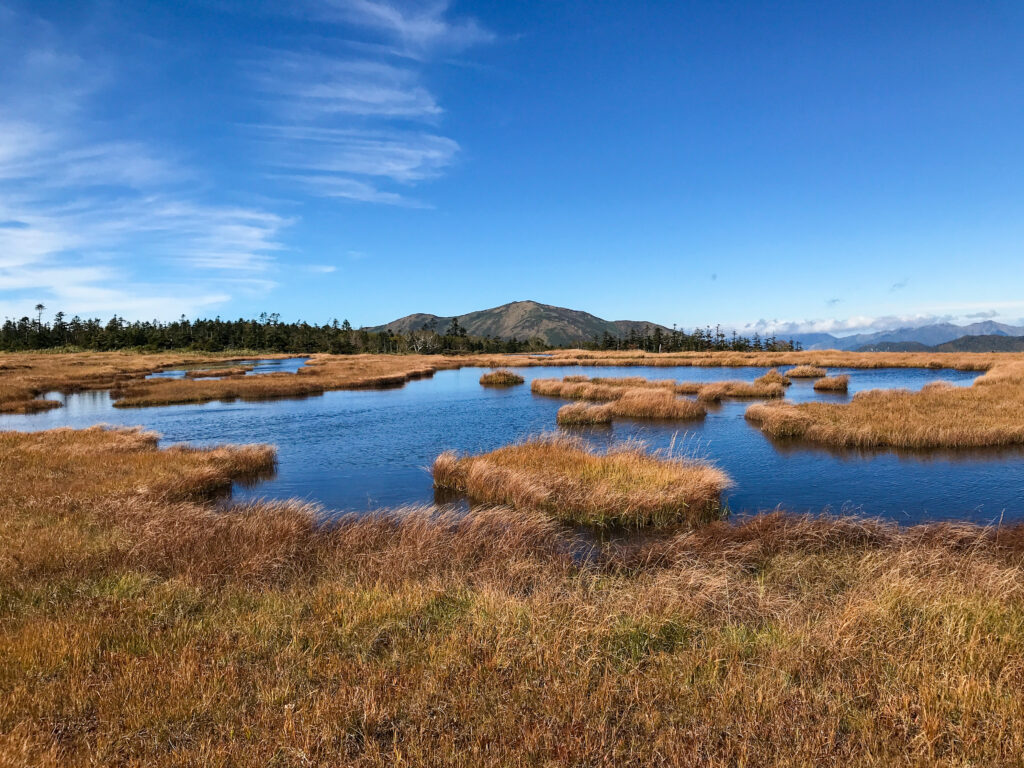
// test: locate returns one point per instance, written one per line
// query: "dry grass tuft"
(839, 383)
(577, 414)
(989, 413)
(564, 478)
(806, 372)
(773, 377)
(207, 373)
(501, 378)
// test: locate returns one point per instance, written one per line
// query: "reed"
(806, 372)
(501, 378)
(773, 377)
(25, 376)
(577, 414)
(990, 413)
(717, 391)
(627, 486)
(655, 404)
(207, 373)
(141, 627)
(839, 383)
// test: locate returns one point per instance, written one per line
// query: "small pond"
(363, 450)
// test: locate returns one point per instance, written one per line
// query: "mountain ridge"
(557, 326)
(928, 335)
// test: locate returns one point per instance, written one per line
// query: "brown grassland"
(633, 398)
(24, 376)
(207, 373)
(141, 625)
(989, 413)
(562, 477)
(501, 378)
(839, 383)
(806, 372)
(658, 390)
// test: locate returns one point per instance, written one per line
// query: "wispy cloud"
(985, 315)
(314, 86)
(417, 27)
(84, 208)
(365, 128)
(899, 285)
(832, 302)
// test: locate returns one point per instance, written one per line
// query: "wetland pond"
(368, 449)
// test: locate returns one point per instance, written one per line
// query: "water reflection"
(364, 450)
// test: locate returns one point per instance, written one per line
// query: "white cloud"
(418, 27)
(312, 87)
(90, 216)
(401, 157)
(347, 128)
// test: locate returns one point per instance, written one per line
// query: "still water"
(369, 449)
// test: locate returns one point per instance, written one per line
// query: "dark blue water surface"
(369, 449)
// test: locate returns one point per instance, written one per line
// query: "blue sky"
(782, 166)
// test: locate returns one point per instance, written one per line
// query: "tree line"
(268, 333)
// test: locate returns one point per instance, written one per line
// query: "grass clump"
(988, 414)
(501, 378)
(806, 372)
(839, 383)
(773, 377)
(719, 390)
(627, 486)
(208, 373)
(579, 414)
(633, 398)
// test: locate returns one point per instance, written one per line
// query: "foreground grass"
(627, 486)
(988, 413)
(141, 626)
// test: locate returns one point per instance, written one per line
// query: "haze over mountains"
(559, 326)
(926, 335)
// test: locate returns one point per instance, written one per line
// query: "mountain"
(928, 335)
(983, 343)
(558, 326)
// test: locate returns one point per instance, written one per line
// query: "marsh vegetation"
(142, 624)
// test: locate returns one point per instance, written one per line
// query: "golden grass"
(659, 391)
(806, 372)
(501, 378)
(577, 414)
(206, 373)
(839, 383)
(561, 476)
(989, 413)
(655, 404)
(773, 377)
(23, 376)
(140, 625)
(633, 398)
(717, 391)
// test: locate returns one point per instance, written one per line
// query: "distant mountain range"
(525, 320)
(963, 344)
(562, 327)
(925, 335)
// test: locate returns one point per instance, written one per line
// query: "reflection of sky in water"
(288, 365)
(366, 449)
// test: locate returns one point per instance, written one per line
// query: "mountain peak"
(525, 319)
